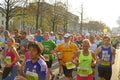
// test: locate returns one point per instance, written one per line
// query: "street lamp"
(81, 19)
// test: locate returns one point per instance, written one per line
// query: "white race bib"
(8, 60)
(31, 75)
(22, 57)
(46, 56)
(70, 65)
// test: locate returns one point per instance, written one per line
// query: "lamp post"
(81, 19)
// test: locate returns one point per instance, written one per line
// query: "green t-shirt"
(48, 46)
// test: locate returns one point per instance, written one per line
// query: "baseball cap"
(67, 35)
(6, 32)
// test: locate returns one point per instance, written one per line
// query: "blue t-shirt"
(39, 38)
(41, 68)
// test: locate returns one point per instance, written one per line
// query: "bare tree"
(8, 9)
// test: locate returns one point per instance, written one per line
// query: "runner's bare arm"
(75, 57)
(94, 58)
(97, 53)
(16, 55)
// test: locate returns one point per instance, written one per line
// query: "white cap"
(87, 34)
(67, 35)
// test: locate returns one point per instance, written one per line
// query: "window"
(2, 22)
(2, 15)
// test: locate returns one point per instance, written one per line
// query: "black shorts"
(105, 72)
(49, 63)
(67, 72)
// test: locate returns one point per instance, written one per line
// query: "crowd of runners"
(24, 56)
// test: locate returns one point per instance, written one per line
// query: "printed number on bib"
(31, 75)
(70, 65)
(83, 71)
(22, 57)
(46, 57)
(105, 63)
(8, 60)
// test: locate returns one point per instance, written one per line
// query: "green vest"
(84, 68)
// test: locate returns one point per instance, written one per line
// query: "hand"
(22, 48)
(99, 60)
(75, 61)
(112, 62)
(52, 52)
(93, 64)
(20, 78)
(8, 65)
(76, 52)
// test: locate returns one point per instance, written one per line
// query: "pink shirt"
(11, 54)
(27, 55)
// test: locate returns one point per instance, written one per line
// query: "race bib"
(105, 63)
(1, 44)
(8, 60)
(16, 45)
(22, 57)
(6, 46)
(70, 65)
(83, 71)
(31, 75)
(46, 56)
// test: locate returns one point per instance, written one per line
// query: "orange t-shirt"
(67, 51)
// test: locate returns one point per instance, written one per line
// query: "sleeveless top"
(11, 55)
(84, 67)
(106, 56)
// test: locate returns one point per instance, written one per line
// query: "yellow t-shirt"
(67, 51)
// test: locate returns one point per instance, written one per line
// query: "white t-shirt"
(93, 47)
(59, 41)
(52, 38)
(30, 37)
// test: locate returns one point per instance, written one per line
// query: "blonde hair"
(12, 39)
(86, 41)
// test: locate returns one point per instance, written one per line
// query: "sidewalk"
(116, 66)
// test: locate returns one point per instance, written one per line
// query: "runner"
(17, 36)
(35, 68)
(67, 50)
(106, 54)
(93, 48)
(48, 53)
(39, 36)
(83, 59)
(59, 41)
(11, 59)
(78, 41)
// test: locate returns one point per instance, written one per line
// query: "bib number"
(70, 65)
(46, 57)
(105, 63)
(8, 60)
(22, 57)
(83, 71)
(31, 75)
